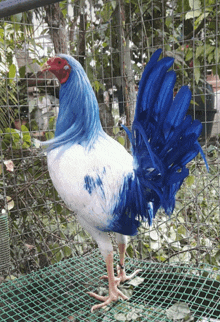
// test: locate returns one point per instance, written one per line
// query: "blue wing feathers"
(163, 141)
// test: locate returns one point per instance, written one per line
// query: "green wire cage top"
(159, 293)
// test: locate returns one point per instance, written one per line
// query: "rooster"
(109, 189)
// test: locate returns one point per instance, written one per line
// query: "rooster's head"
(59, 67)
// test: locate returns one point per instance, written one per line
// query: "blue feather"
(78, 120)
(177, 110)
(163, 141)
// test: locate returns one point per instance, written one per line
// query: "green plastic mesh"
(160, 293)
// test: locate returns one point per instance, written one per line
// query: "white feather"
(109, 160)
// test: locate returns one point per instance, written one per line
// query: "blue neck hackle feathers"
(78, 120)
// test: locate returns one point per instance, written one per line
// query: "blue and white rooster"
(109, 189)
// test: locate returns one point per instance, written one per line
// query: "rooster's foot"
(122, 277)
(113, 297)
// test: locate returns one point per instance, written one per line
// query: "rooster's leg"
(121, 268)
(121, 274)
(114, 292)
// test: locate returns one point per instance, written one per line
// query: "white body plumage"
(93, 203)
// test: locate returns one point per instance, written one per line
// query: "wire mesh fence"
(113, 40)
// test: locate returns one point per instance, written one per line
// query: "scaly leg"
(120, 268)
(114, 292)
(121, 274)
(106, 249)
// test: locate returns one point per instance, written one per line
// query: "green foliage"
(26, 137)
(181, 37)
(15, 139)
(12, 72)
(13, 103)
(14, 36)
(42, 230)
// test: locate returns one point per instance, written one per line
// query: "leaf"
(190, 180)
(26, 135)
(155, 245)
(12, 72)
(199, 51)
(210, 58)
(197, 63)
(175, 245)
(130, 251)
(196, 7)
(120, 316)
(9, 165)
(169, 21)
(126, 312)
(217, 54)
(195, 4)
(10, 203)
(194, 102)
(127, 291)
(132, 316)
(200, 18)
(22, 71)
(67, 251)
(58, 256)
(192, 14)
(49, 135)
(11, 277)
(189, 55)
(116, 130)
(197, 74)
(113, 3)
(181, 230)
(178, 311)
(52, 122)
(25, 145)
(121, 140)
(161, 258)
(209, 49)
(181, 258)
(96, 85)
(154, 235)
(136, 281)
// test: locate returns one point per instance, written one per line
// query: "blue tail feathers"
(163, 141)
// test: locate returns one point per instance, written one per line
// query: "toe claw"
(116, 293)
(113, 297)
(124, 297)
(133, 274)
(99, 306)
(123, 277)
(97, 296)
(104, 277)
